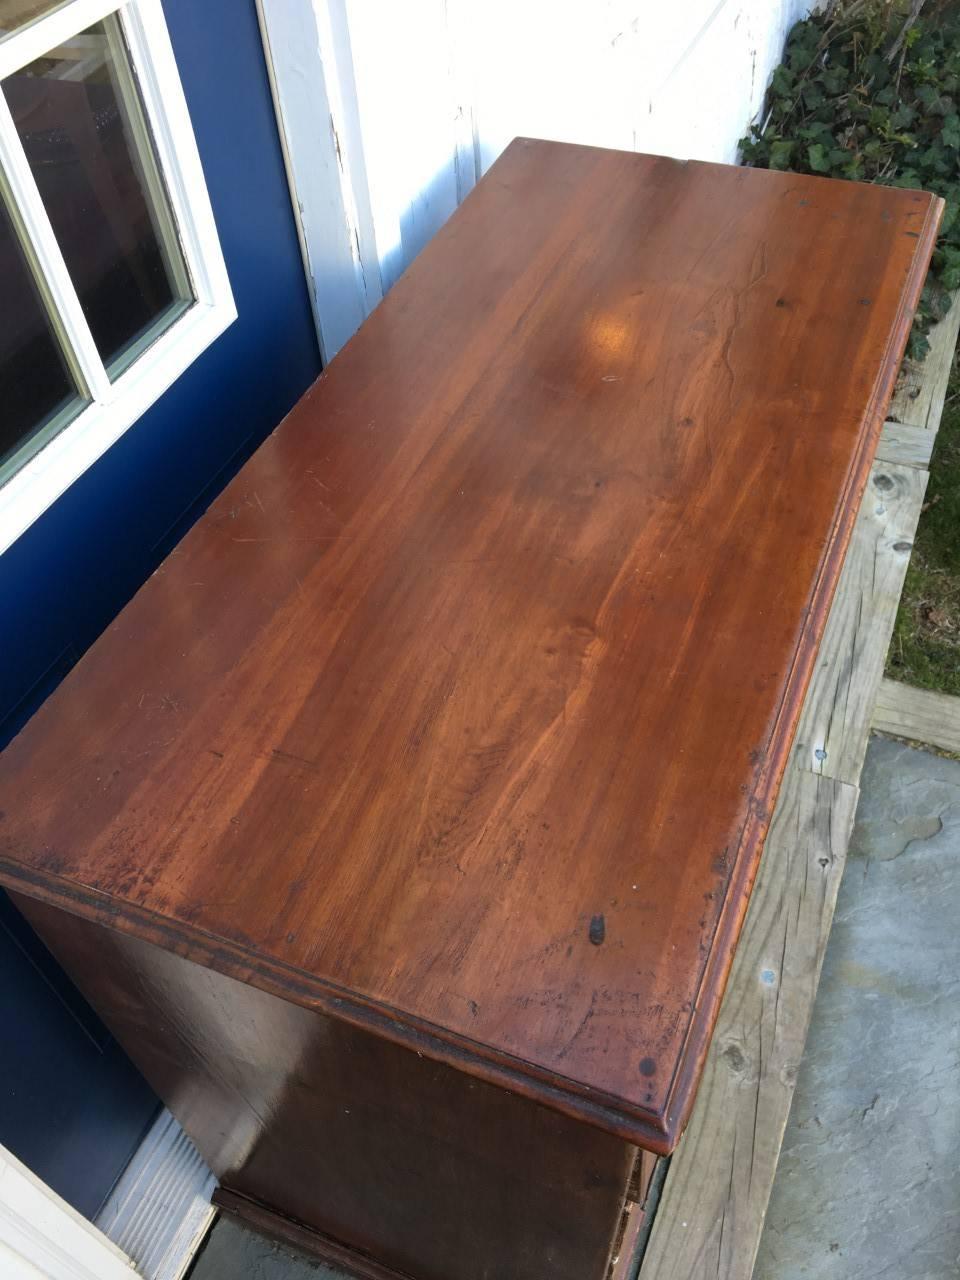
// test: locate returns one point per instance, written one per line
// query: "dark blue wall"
(67, 577)
(64, 580)
(72, 1107)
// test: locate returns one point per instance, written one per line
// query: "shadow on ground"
(234, 1253)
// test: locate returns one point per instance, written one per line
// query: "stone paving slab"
(868, 1184)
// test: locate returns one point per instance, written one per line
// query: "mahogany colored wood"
(344, 1143)
(461, 714)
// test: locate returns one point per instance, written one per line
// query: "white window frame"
(43, 1238)
(114, 406)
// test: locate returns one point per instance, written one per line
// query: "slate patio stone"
(868, 1184)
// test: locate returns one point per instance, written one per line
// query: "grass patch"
(925, 649)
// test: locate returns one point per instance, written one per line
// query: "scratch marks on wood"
(289, 757)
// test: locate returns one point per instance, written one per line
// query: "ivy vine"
(870, 90)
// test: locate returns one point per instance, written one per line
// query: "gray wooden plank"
(710, 1217)
(922, 388)
(905, 445)
(835, 721)
(918, 714)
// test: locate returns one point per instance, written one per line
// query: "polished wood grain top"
(461, 713)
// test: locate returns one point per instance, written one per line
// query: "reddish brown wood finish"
(461, 713)
(399, 1166)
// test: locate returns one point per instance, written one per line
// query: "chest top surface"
(461, 712)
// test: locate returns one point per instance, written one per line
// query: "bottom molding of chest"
(623, 1262)
(268, 1222)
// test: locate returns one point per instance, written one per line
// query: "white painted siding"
(437, 89)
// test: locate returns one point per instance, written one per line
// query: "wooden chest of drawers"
(402, 826)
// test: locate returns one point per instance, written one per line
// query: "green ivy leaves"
(849, 101)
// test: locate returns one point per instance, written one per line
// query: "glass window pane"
(15, 14)
(79, 117)
(37, 393)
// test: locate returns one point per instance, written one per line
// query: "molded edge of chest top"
(461, 713)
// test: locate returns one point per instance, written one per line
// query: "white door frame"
(310, 66)
(378, 146)
(43, 1238)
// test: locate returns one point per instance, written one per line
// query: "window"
(111, 277)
